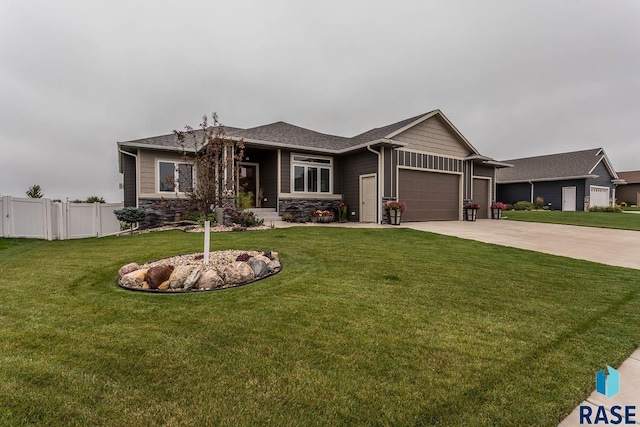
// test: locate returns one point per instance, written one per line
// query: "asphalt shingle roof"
(285, 133)
(562, 165)
(632, 177)
(377, 133)
(170, 141)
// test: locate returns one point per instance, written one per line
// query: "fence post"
(97, 223)
(48, 231)
(5, 216)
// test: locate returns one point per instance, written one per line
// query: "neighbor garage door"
(429, 195)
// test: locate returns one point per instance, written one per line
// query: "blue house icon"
(608, 385)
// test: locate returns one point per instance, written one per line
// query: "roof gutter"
(559, 178)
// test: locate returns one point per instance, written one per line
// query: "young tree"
(216, 160)
(34, 192)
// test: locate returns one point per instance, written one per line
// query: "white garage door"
(599, 196)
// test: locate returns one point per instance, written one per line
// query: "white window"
(312, 174)
(174, 177)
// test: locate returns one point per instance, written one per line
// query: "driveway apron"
(619, 248)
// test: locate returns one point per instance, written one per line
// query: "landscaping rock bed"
(188, 273)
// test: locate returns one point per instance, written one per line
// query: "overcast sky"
(517, 78)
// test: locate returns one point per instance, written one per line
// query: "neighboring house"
(566, 181)
(424, 161)
(630, 192)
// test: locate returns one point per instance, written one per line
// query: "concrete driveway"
(607, 246)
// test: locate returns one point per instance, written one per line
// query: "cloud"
(517, 78)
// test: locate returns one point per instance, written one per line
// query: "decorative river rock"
(187, 273)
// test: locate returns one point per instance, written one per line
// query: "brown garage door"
(481, 196)
(429, 195)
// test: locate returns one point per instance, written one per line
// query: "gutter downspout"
(135, 156)
(380, 184)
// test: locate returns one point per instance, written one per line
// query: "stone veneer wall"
(160, 211)
(385, 213)
(306, 206)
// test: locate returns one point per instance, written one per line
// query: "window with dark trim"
(174, 177)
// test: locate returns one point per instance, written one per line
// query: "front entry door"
(248, 181)
(368, 198)
(568, 198)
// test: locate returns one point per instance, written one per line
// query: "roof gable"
(571, 165)
(434, 133)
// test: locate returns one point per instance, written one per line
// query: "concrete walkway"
(607, 246)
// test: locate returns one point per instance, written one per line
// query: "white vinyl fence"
(44, 219)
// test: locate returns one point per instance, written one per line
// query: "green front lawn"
(362, 327)
(588, 219)
(631, 208)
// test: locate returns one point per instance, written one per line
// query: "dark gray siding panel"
(479, 170)
(337, 175)
(511, 193)
(285, 171)
(389, 170)
(353, 166)
(269, 178)
(604, 177)
(129, 180)
(551, 192)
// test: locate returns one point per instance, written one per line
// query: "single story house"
(630, 192)
(570, 181)
(424, 161)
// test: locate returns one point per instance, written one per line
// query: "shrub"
(612, 209)
(130, 214)
(94, 199)
(623, 204)
(243, 218)
(539, 202)
(245, 200)
(202, 218)
(288, 217)
(523, 205)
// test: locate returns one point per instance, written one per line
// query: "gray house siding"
(285, 172)
(352, 167)
(337, 175)
(433, 136)
(550, 191)
(629, 193)
(269, 178)
(390, 176)
(603, 179)
(129, 180)
(487, 171)
(511, 193)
